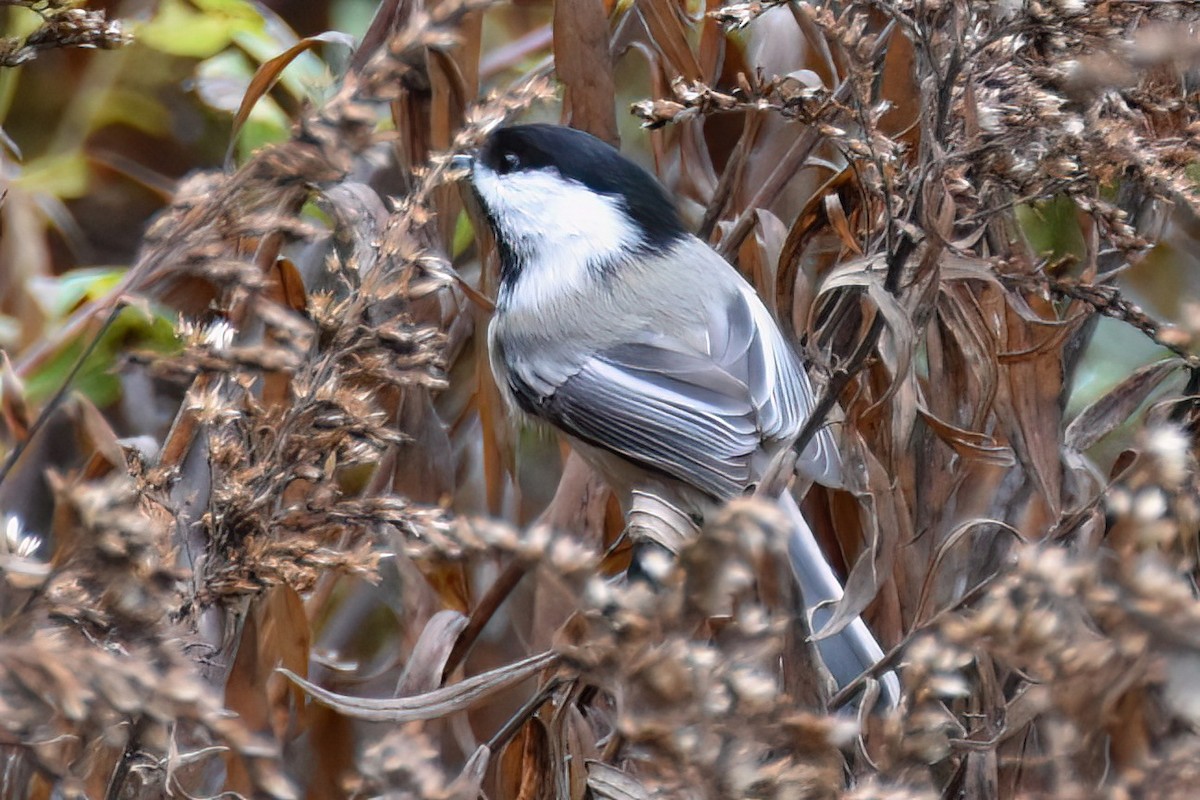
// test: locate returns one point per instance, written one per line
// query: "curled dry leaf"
(1115, 407)
(613, 784)
(427, 662)
(432, 704)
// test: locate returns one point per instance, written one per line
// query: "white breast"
(561, 230)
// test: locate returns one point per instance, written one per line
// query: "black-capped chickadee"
(652, 354)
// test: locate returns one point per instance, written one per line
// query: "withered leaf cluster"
(63, 24)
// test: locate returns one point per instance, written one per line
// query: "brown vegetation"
(940, 200)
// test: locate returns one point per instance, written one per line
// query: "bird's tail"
(852, 650)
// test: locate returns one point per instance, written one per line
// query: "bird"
(635, 339)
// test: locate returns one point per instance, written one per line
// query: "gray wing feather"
(649, 418)
(695, 405)
(790, 400)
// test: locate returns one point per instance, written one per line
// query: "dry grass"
(339, 493)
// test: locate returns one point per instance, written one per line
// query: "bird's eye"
(511, 162)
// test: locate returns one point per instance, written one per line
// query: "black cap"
(581, 157)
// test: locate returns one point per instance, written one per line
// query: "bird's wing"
(695, 405)
(788, 398)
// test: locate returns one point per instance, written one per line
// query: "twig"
(514, 723)
(482, 613)
(892, 656)
(795, 157)
(55, 401)
(842, 376)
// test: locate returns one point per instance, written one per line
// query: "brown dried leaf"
(268, 73)
(1112, 410)
(101, 437)
(792, 280)
(947, 544)
(866, 274)
(428, 444)
(287, 287)
(1028, 407)
(525, 768)
(886, 524)
(969, 444)
(13, 408)
(285, 639)
(469, 783)
(275, 633)
(837, 218)
(577, 742)
(670, 38)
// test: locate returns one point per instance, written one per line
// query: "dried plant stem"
(732, 175)
(1106, 300)
(795, 157)
(497, 593)
(116, 782)
(843, 374)
(514, 723)
(892, 657)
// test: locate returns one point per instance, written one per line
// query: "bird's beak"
(462, 162)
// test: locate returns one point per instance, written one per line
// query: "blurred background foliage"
(248, 422)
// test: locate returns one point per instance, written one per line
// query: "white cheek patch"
(561, 230)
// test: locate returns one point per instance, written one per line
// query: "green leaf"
(64, 175)
(200, 32)
(464, 234)
(134, 108)
(59, 296)
(1052, 227)
(260, 132)
(21, 21)
(97, 378)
